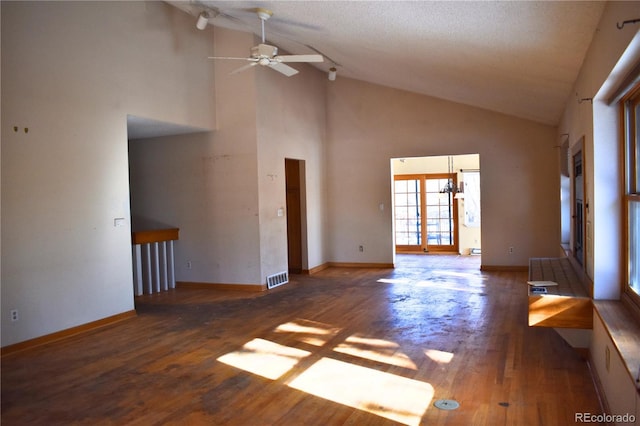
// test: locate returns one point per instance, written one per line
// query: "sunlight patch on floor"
(468, 275)
(395, 280)
(370, 390)
(439, 356)
(310, 332)
(472, 284)
(386, 395)
(448, 285)
(264, 358)
(373, 349)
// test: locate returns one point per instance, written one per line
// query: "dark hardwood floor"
(344, 346)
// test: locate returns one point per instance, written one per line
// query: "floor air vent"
(447, 404)
(277, 279)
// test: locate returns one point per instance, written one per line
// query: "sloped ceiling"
(516, 57)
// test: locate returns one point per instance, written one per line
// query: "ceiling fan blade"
(244, 68)
(299, 58)
(284, 69)
(231, 57)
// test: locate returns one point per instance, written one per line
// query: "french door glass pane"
(439, 214)
(407, 212)
(432, 185)
(634, 246)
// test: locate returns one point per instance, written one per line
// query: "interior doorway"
(436, 204)
(578, 203)
(294, 178)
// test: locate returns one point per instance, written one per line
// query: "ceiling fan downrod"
(263, 14)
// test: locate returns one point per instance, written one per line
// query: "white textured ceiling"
(516, 57)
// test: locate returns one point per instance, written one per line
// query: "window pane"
(634, 246)
(432, 213)
(433, 185)
(401, 186)
(404, 239)
(447, 238)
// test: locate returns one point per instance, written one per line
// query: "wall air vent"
(277, 279)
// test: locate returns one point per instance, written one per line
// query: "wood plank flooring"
(344, 346)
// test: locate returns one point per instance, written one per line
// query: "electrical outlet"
(14, 315)
(510, 250)
(360, 249)
(189, 264)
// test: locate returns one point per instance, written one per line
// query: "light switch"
(280, 212)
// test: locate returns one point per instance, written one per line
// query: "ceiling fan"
(267, 55)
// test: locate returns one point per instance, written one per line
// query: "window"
(631, 121)
(472, 199)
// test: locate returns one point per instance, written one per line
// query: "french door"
(426, 219)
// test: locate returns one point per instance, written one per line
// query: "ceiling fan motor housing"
(264, 50)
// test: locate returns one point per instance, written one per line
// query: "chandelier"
(450, 187)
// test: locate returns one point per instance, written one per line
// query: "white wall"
(291, 124)
(235, 253)
(601, 153)
(206, 184)
(368, 125)
(71, 72)
(172, 182)
(223, 189)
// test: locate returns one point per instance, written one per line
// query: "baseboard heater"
(277, 279)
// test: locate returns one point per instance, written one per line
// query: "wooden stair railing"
(153, 260)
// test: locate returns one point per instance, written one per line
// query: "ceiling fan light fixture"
(267, 55)
(203, 20)
(332, 73)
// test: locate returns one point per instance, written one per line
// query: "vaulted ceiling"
(516, 57)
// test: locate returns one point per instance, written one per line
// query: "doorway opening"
(436, 204)
(157, 152)
(296, 215)
(578, 204)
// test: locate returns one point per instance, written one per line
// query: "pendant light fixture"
(332, 73)
(450, 187)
